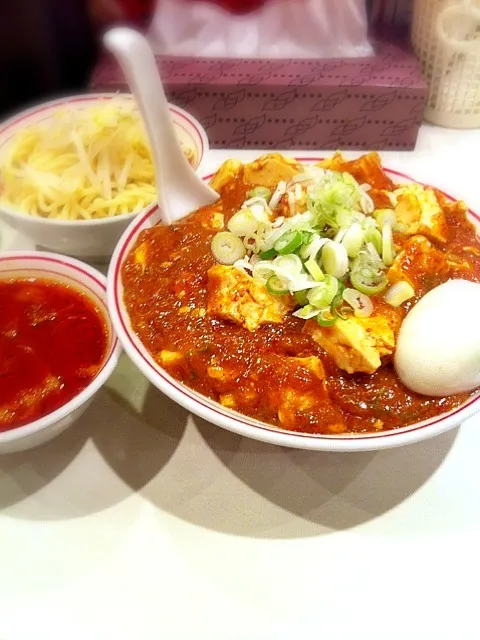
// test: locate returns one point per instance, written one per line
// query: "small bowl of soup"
(75, 171)
(57, 345)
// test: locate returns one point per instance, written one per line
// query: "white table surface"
(142, 522)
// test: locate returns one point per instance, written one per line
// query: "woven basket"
(446, 39)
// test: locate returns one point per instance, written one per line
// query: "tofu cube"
(235, 296)
(357, 344)
(418, 211)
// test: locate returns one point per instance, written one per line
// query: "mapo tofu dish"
(283, 300)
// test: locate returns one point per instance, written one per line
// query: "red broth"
(53, 342)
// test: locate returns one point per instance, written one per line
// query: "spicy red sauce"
(53, 341)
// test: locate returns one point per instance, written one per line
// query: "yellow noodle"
(81, 164)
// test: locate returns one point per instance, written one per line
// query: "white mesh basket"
(446, 39)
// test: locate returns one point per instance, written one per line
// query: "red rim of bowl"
(184, 395)
(111, 357)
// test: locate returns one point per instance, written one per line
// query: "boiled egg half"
(438, 347)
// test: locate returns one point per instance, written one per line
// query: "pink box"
(362, 103)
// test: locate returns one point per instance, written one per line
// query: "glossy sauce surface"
(166, 299)
(53, 341)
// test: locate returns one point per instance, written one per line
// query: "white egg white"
(438, 346)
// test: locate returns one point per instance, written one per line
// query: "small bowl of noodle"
(76, 170)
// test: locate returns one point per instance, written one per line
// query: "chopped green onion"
(308, 254)
(399, 293)
(311, 249)
(323, 294)
(349, 179)
(262, 270)
(335, 259)
(276, 286)
(243, 223)
(301, 297)
(353, 239)
(367, 272)
(374, 236)
(307, 237)
(334, 199)
(338, 308)
(369, 284)
(289, 263)
(268, 255)
(346, 217)
(288, 242)
(368, 222)
(278, 194)
(258, 209)
(388, 251)
(306, 312)
(372, 256)
(314, 270)
(325, 318)
(366, 203)
(360, 303)
(260, 192)
(385, 216)
(251, 242)
(302, 282)
(227, 248)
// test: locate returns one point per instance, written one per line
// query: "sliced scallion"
(276, 286)
(263, 270)
(268, 255)
(227, 248)
(322, 295)
(314, 270)
(338, 237)
(374, 236)
(388, 251)
(361, 304)
(399, 293)
(311, 249)
(307, 237)
(385, 216)
(243, 223)
(277, 194)
(366, 203)
(335, 259)
(301, 297)
(306, 312)
(258, 208)
(260, 192)
(325, 318)
(367, 272)
(353, 239)
(290, 263)
(251, 242)
(370, 284)
(338, 308)
(288, 242)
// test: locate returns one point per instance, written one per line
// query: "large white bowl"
(86, 239)
(241, 424)
(50, 266)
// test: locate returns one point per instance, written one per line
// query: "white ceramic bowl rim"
(81, 273)
(239, 423)
(14, 121)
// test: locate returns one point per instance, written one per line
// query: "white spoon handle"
(180, 190)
